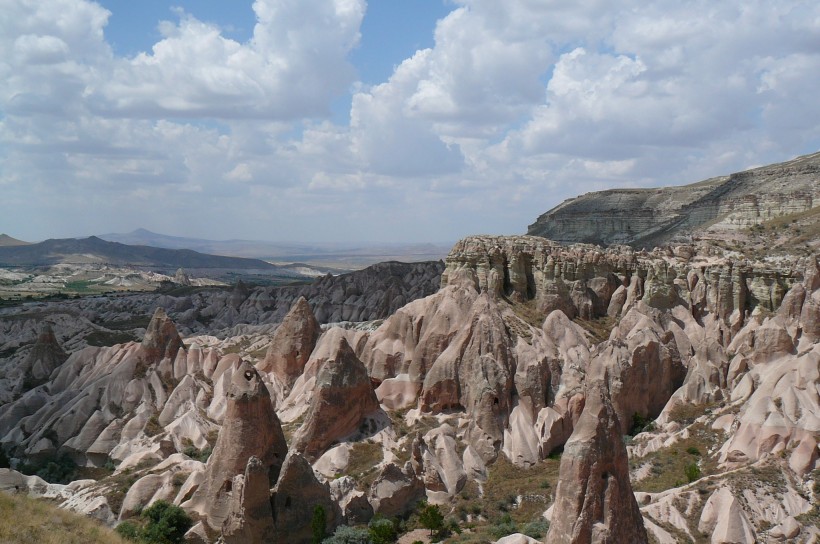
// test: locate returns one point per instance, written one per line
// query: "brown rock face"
(46, 355)
(594, 500)
(250, 429)
(161, 338)
(292, 344)
(296, 495)
(251, 517)
(342, 397)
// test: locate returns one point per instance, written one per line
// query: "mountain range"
(94, 250)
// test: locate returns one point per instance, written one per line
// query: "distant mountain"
(95, 250)
(329, 254)
(8, 241)
(650, 217)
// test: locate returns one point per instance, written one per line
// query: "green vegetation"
(681, 463)
(318, 523)
(55, 469)
(349, 535)
(641, 424)
(431, 518)
(383, 530)
(27, 520)
(160, 523)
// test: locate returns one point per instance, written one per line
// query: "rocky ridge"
(650, 217)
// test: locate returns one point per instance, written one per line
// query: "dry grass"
(599, 328)
(364, 457)
(506, 482)
(668, 465)
(24, 520)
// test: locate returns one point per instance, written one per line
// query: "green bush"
(536, 529)
(382, 531)
(128, 530)
(506, 526)
(641, 424)
(58, 469)
(692, 472)
(165, 524)
(692, 450)
(349, 535)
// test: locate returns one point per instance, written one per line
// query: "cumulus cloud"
(516, 106)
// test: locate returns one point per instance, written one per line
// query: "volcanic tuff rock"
(594, 500)
(45, 356)
(342, 397)
(650, 217)
(294, 499)
(250, 429)
(292, 343)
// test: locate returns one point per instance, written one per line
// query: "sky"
(387, 120)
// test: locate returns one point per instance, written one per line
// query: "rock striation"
(651, 217)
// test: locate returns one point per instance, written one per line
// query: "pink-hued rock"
(292, 343)
(594, 502)
(342, 397)
(250, 429)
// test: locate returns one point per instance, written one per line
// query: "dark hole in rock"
(248, 375)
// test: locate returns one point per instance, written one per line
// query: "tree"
(431, 518)
(692, 472)
(318, 523)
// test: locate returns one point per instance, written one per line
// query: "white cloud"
(517, 105)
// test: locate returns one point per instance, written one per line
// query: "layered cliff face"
(650, 217)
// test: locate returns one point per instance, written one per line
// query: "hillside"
(95, 250)
(28, 520)
(8, 241)
(718, 206)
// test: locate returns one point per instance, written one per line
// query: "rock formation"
(161, 338)
(250, 429)
(45, 355)
(342, 397)
(292, 343)
(295, 499)
(594, 501)
(652, 217)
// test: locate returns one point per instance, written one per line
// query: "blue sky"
(388, 120)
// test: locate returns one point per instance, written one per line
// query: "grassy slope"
(27, 520)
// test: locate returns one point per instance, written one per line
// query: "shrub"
(4, 459)
(128, 530)
(349, 535)
(506, 526)
(165, 524)
(692, 472)
(692, 450)
(536, 529)
(58, 469)
(641, 424)
(383, 531)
